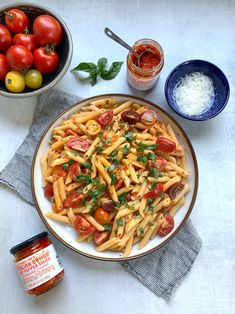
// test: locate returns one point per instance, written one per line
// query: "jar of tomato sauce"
(37, 264)
(143, 73)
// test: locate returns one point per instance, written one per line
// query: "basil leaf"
(154, 173)
(120, 222)
(129, 136)
(86, 67)
(113, 179)
(65, 166)
(141, 230)
(107, 227)
(102, 63)
(112, 72)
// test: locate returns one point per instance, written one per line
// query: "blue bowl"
(220, 83)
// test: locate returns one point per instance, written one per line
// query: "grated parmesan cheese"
(194, 94)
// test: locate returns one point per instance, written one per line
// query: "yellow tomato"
(14, 82)
(93, 127)
(33, 79)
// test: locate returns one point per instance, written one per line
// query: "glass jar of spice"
(37, 264)
(143, 72)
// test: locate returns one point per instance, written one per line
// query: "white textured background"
(186, 29)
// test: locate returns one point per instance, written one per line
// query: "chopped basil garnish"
(129, 136)
(141, 147)
(120, 222)
(113, 179)
(141, 230)
(154, 173)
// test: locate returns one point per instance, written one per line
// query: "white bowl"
(66, 234)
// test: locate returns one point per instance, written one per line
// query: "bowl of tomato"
(35, 49)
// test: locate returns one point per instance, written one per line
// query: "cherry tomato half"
(166, 226)
(48, 190)
(19, 57)
(149, 117)
(74, 170)
(5, 38)
(101, 216)
(130, 116)
(165, 145)
(33, 79)
(100, 237)
(108, 205)
(106, 118)
(4, 67)
(159, 164)
(47, 30)
(59, 172)
(73, 200)
(93, 127)
(46, 60)
(82, 226)
(27, 40)
(15, 82)
(16, 20)
(78, 144)
(175, 190)
(70, 132)
(154, 193)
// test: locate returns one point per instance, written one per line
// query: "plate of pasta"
(114, 177)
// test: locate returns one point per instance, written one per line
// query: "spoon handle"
(113, 36)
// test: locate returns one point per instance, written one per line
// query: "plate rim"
(115, 259)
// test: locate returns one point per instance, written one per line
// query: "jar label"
(39, 267)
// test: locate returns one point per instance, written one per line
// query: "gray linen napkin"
(161, 271)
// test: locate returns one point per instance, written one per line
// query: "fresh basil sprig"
(99, 69)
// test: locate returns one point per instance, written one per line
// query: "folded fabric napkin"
(161, 271)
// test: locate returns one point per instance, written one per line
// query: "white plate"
(66, 234)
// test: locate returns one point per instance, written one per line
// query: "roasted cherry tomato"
(19, 57)
(33, 79)
(48, 190)
(101, 216)
(47, 30)
(73, 200)
(59, 172)
(154, 193)
(4, 67)
(175, 190)
(166, 226)
(100, 237)
(93, 127)
(74, 170)
(78, 144)
(130, 116)
(108, 205)
(45, 60)
(16, 20)
(5, 38)
(106, 118)
(149, 117)
(165, 145)
(160, 164)
(27, 40)
(82, 226)
(70, 132)
(15, 82)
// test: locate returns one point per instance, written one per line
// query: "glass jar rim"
(28, 242)
(157, 67)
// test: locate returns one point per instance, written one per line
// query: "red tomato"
(149, 117)
(19, 57)
(45, 60)
(5, 38)
(47, 30)
(175, 190)
(154, 193)
(59, 172)
(74, 170)
(70, 132)
(165, 145)
(166, 226)
(130, 116)
(159, 164)
(101, 216)
(16, 21)
(27, 40)
(48, 190)
(78, 144)
(4, 67)
(73, 200)
(100, 237)
(108, 205)
(82, 226)
(106, 118)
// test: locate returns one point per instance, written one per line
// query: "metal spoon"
(113, 36)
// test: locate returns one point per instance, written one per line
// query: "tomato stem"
(9, 15)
